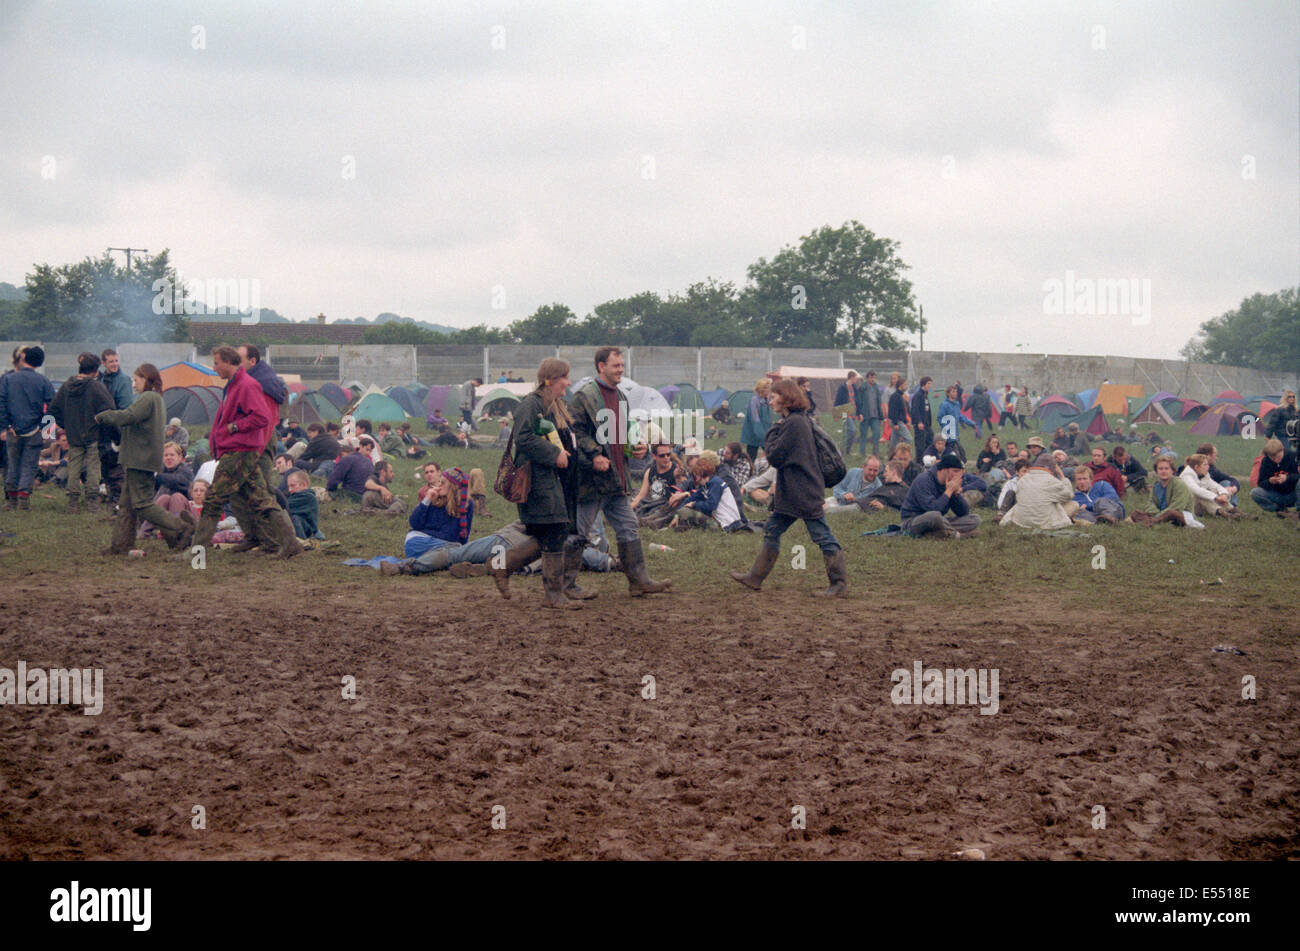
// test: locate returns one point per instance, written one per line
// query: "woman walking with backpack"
(800, 491)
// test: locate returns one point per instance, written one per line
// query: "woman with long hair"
(800, 491)
(543, 437)
(758, 418)
(143, 424)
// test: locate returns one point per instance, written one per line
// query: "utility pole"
(128, 254)
(921, 314)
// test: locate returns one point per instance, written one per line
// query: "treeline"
(837, 288)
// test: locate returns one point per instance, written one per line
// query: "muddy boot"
(74, 505)
(553, 581)
(285, 538)
(761, 568)
(638, 581)
(1170, 515)
(572, 565)
(123, 532)
(480, 505)
(394, 568)
(837, 573)
(516, 558)
(467, 569)
(24, 502)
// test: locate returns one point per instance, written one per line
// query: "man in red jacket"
(237, 440)
(1103, 471)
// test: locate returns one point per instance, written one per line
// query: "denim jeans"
(1271, 500)
(618, 513)
(852, 433)
(22, 457)
(817, 529)
(871, 432)
(417, 545)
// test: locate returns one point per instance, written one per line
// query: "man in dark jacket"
(892, 492)
(24, 394)
(118, 384)
(846, 395)
(74, 408)
(935, 505)
(1278, 476)
(922, 420)
(872, 412)
(321, 447)
(599, 412)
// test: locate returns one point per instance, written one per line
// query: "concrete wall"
(732, 367)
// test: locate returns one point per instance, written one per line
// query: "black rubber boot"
(761, 568)
(837, 573)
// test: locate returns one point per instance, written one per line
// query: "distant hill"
(388, 318)
(9, 292)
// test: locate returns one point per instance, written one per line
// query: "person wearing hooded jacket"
(81, 398)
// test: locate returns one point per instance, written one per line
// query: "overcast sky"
(617, 147)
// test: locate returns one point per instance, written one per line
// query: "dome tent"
(379, 408)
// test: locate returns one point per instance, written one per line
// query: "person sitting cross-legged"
(1044, 497)
(935, 505)
(1098, 501)
(1169, 501)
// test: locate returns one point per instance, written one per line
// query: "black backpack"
(829, 459)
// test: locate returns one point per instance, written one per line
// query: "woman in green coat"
(543, 437)
(143, 424)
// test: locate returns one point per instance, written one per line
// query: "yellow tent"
(188, 374)
(1113, 397)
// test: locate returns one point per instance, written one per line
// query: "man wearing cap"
(1034, 446)
(1044, 497)
(846, 396)
(934, 503)
(24, 395)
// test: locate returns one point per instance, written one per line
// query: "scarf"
(458, 479)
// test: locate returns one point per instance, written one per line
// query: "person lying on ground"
(713, 498)
(1134, 473)
(477, 558)
(892, 490)
(303, 507)
(851, 494)
(935, 505)
(1044, 497)
(443, 516)
(350, 474)
(1169, 501)
(378, 499)
(1209, 497)
(1278, 477)
(1098, 501)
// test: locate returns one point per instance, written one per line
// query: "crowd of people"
(250, 482)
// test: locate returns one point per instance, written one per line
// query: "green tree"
(1263, 332)
(839, 287)
(401, 332)
(550, 324)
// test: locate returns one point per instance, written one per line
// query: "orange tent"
(189, 374)
(1113, 397)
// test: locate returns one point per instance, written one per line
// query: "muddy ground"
(233, 701)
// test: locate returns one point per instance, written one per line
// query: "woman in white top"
(1210, 497)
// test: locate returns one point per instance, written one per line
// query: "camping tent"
(1085, 398)
(669, 393)
(713, 398)
(298, 388)
(688, 399)
(303, 411)
(640, 399)
(1151, 411)
(1055, 410)
(1227, 396)
(194, 405)
(325, 409)
(445, 399)
(405, 399)
(379, 408)
(1113, 397)
(335, 394)
(1189, 409)
(185, 373)
(490, 398)
(1221, 419)
(738, 401)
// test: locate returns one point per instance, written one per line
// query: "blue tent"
(713, 398)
